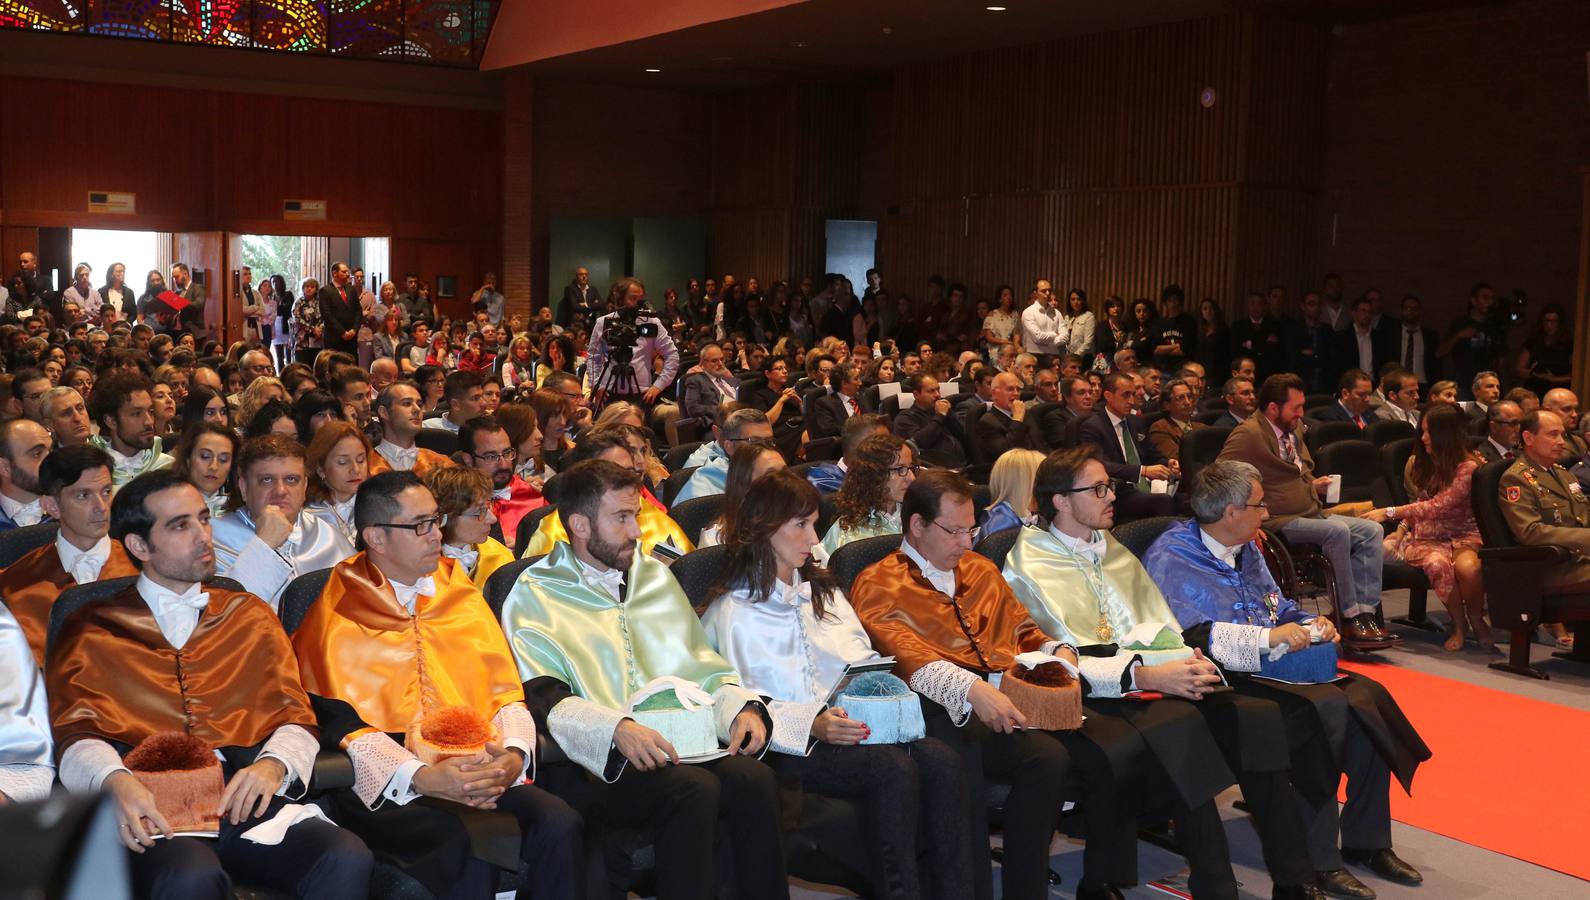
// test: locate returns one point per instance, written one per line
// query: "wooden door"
(205, 254)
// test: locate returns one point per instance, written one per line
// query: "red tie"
(1359, 420)
(343, 292)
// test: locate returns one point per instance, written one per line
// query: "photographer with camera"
(622, 346)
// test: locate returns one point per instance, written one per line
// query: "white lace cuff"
(1109, 676)
(377, 762)
(87, 763)
(792, 726)
(295, 748)
(518, 730)
(948, 685)
(1237, 647)
(585, 732)
(26, 783)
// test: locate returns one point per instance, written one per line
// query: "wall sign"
(304, 210)
(119, 203)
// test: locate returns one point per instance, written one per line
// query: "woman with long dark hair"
(868, 503)
(781, 622)
(1212, 349)
(557, 355)
(1438, 532)
(1111, 333)
(203, 405)
(1077, 323)
(281, 342)
(204, 457)
(115, 297)
(1546, 360)
(749, 462)
(154, 284)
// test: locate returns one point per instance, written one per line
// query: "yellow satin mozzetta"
(655, 528)
(360, 646)
(493, 556)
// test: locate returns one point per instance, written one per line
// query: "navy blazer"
(1096, 430)
(1338, 413)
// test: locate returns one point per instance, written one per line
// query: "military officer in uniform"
(1544, 504)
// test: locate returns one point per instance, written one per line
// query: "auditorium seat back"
(1034, 420)
(437, 440)
(1200, 447)
(16, 543)
(300, 597)
(502, 581)
(675, 458)
(1394, 458)
(997, 545)
(848, 561)
(675, 483)
(1363, 473)
(528, 525)
(1322, 433)
(696, 514)
(1487, 502)
(1387, 430)
(75, 598)
(697, 570)
(1140, 534)
(869, 399)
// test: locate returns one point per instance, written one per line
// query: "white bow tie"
(29, 514)
(87, 568)
(409, 595)
(406, 457)
(504, 494)
(611, 581)
(167, 602)
(466, 556)
(797, 594)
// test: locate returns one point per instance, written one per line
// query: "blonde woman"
(259, 392)
(1010, 487)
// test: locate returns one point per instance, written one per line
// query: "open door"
(206, 256)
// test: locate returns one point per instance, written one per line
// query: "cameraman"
(610, 379)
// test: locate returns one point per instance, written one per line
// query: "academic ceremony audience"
(821, 548)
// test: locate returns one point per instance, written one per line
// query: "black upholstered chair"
(1034, 419)
(675, 483)
(1199, 448)
(16, 543)
(997, 545)
(890, 407)
(437, 440)
(502, 581)
(1362, 470)
(1394, 460)
(675, 458)
(1317, 401)
(1322, 434)
(1385, 431)
(1140, 534)
(848, 561)
(300, 595)
(696, 571)
(696, 514)
(826, 511)
(1515, 583)
(528, 525)
(870, 399)
(1208, 416)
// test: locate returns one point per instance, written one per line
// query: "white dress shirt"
(82, 565)
(401, 458)
(1366, 349)
(943, 581)
(1040, 330)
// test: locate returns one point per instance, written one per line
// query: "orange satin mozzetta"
(360, 646)
(112, 674)
(909, 619)
(30, 585)
(424, 461)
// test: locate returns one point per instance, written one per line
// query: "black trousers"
(914, 802)
(315, 859)
(729, 805)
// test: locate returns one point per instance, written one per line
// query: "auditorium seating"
(678, 453)
(1386, 430)
(1515, 580)
(695, 514)
(16, 543)
(437, 440)
(675, 483)
(1394, 458)
(528, 525)
(1321, 433)
(849, 561)
(1360, 466)
(1199, 448)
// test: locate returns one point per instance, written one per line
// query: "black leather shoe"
(1385, 864)
(1297, 892)
(1098, 892)
(1342, 883)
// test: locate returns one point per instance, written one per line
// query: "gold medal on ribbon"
(1104, 631)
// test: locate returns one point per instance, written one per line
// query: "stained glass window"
(445, 32)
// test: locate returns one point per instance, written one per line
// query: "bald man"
(1564, 403)
(1003, 426)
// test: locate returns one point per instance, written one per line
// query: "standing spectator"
(1546, 360)
(999, 326)
(1213, 342)
(1416, 343)
(1041, 323)
(191, 318)
(415, 303)
(628, 375)
(1078, 324)
(1309, 341)
(340, 311)
(488, 299)
(33, 288)
(81, 290)
(281, 342)
(1174, 335)
(1259, 336)
(308, 339)
(580, 298)
(1470, 346)
(1358, 346)
(1332, 311)
(115, 298)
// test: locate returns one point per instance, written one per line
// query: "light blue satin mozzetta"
(561, 627)
(711, 478)
(321, 544)
(24, 712)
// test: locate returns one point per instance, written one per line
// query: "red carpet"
(1507, 772)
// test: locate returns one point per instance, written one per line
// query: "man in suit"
(926, 424)
(704, 391)
(1003, 425)
(579, 297)
(1240, 401)
(339, 310)
(1487, 390)
(1309, 343)
(1352, 400)
(1272, 442)
(1165, 434)
(1565, 404)
(1358, 346)
(829, 412)
(191, 318)
(1416, 343)
(1077, 392)
(1401, 390)
(1130, 459)
(1259, 336)
(1502, 431)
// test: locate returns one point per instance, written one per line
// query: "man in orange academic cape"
(402, 417)
(400, 638)
(172, 654)
(76, 486)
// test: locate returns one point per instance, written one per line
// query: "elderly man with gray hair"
(1227, 602)
(64, 414)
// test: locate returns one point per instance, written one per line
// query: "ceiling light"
(654, 71)
(994, 8)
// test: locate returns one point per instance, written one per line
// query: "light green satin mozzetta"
(878, 524)
(1065, 592)
(605, 651)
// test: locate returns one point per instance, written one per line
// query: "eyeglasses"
(959, 532)
(1260, 505)
(902, 471)
(495, 456)
(1100, 490)
(420, 528)
(477, 513)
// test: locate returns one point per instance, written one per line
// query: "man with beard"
(23, 446)
(568, 621)
(486, 447)
(657, 530)
(124, 410)
(271, 540)
(76, 491)
(399, 635)
(65, 415)
(402, 416)
(170, 653)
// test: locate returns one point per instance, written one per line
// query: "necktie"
(344, 292)
(1508, 455)
(1407, 351)
(1359, 420)
(1129, 447)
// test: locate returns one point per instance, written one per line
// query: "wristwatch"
(1391, 512)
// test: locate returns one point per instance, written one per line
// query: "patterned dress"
(1438, 527)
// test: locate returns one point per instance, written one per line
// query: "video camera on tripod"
(624, 330)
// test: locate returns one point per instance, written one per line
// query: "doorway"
(852, 249)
